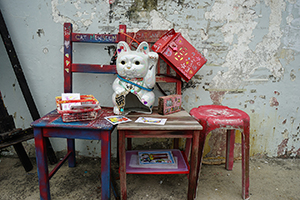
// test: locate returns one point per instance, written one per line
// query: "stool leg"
(71, 148)
(245, 162)
(230, 140)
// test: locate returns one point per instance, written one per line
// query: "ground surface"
(269, 179)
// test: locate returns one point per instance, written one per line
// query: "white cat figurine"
(136, 75)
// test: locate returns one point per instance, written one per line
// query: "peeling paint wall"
(252, 48)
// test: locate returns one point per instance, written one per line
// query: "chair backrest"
(70, 67)
(150, 36)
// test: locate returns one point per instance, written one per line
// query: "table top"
(54, 120)
(175, 121)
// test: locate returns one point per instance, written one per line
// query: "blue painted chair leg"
(71, 148)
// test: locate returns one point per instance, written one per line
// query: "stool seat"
(217, 116)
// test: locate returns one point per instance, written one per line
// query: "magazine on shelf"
(155, 158)
(134, 163)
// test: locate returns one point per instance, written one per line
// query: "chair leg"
(42, 165)
(71, 148)
(105, 165)
(230, 140)
(245, 162)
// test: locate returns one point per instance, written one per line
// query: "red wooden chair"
(51, 125)
(216, 116)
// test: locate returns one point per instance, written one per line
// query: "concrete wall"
(252, 48)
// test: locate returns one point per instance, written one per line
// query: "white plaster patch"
(78, 14)
(158, 22)
(76, 4)
(241, 61)
(203, 34)
(293, 75)
(58, 18)
(291, 37)
(86, 22)
(185, 34)
(80, 19)
(223, 11)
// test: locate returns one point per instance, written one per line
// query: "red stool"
(216, 116)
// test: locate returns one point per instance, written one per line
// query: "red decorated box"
(178, 53)
(169, 104)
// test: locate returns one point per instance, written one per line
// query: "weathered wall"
(252, 48)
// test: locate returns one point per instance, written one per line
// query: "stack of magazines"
(159, 159)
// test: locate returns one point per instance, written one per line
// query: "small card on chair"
(169, 104)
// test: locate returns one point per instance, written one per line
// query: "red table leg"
(193, 166)
(122, 164)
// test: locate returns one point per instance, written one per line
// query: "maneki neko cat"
(136, 79)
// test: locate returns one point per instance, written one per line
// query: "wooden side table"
(178, 125)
